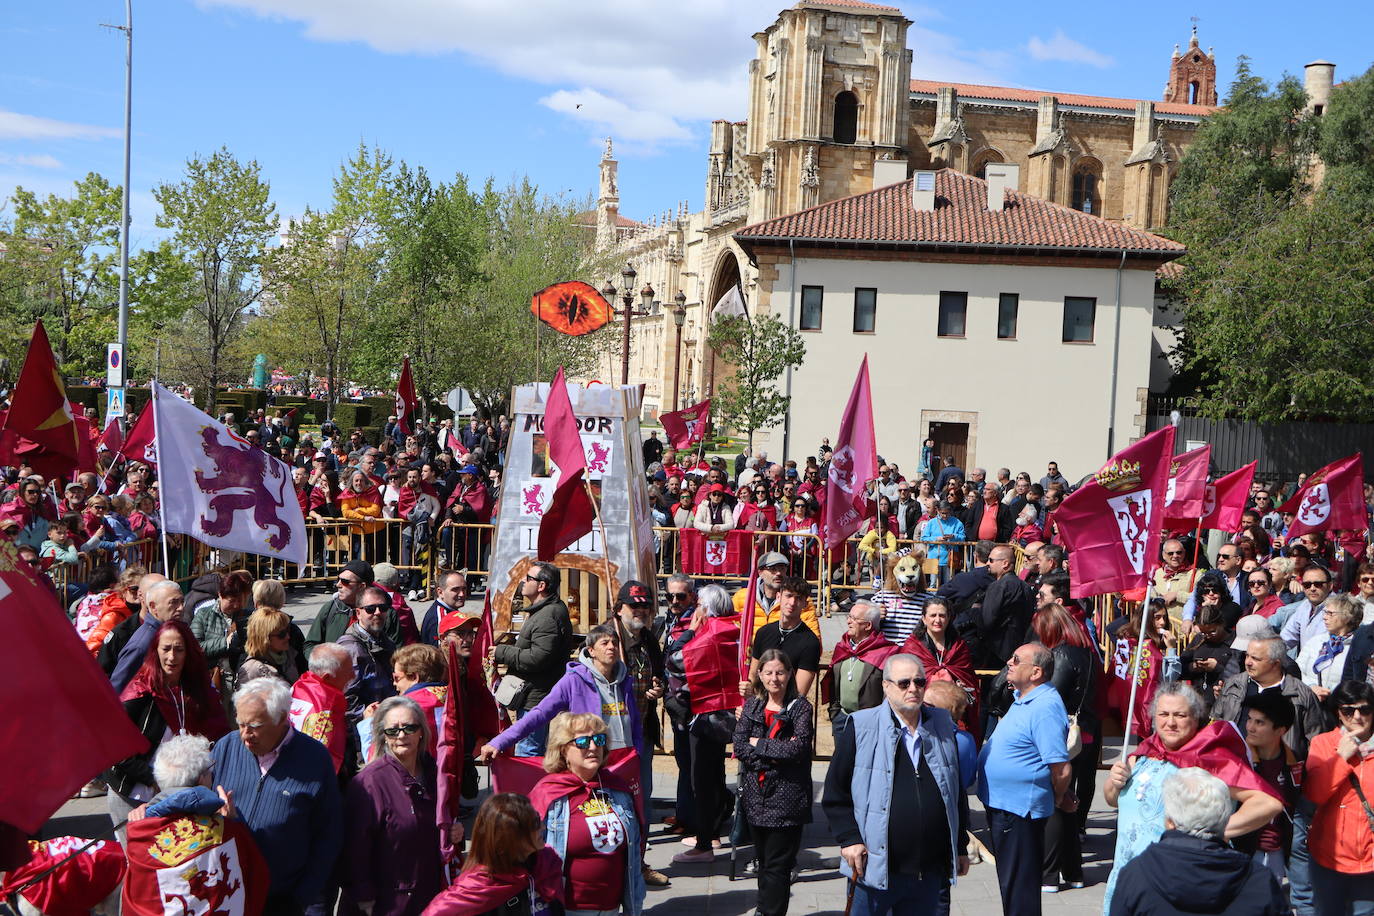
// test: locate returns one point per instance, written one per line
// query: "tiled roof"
(961, 219)
(1008, 94)
(850, 4)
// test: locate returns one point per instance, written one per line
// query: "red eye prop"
(573, 308)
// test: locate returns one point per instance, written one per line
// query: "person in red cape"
(944, 655)
(1180, 740)
(589, 819)
(855, 678)
(169, 695)
(186, 849)
(318, 706)
(508, 867)
(421, 673)
(92, 878)
(481, 719)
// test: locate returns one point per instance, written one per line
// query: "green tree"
(1274, 294)
(222, 218)
(759, 349)
(59, 265)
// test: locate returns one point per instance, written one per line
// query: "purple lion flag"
(220, 489)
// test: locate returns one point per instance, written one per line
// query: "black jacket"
(1006, 616)
(137, 770)
(1357, 656)
(541, 651)
(108, 656)
(972, 517)
(1075, 677)
(775, 775)
(1181, 874)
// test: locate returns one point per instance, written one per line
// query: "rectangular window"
(865, 310)
(1079, 314)
(1007, 307)
(953, 314)
(811, 307)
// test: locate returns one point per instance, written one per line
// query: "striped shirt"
(900, 613)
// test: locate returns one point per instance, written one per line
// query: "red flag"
(451, 756)
(717, 555)
(209, 860)
(686, 427)
(710, 663)
(59, 706)
(853, 464)
(39, 410)
(112, 439)
(1187, 490)
(406, 401)
(1333, 497)
(1226, 499)
(746, 624)
(138, 443)
(1112, 522)
(318, 710)
(570, 513)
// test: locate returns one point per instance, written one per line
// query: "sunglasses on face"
(397, 731)
(1257, 583)
(373, 608)
(1227, 556)
(1211, 590)
(1363, 709)
(1315, 583)
(343, 581)
(1173, 553)
(907, 683)
(1367, 578)
(587, 742)
(677, 597)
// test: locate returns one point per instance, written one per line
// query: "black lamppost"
(679, 319)
(628, 311)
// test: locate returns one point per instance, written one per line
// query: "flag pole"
(157, 450)
(1135, 667)
(605, 551)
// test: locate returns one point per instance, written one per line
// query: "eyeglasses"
(907, 683)
(1363, 709)
(1315, 583)
(587, 742)
(373, 608)
(1211, 590)
(534, 579)
(1173, 553)
(1257, 583)
(281, 634)
(677, 597)
(1367, 578)
(397, 731)
(1227, 556)
(343, 581)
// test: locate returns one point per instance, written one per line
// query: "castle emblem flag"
(1112, 522)
(220, 489)
(686, 427)
(1332, 497)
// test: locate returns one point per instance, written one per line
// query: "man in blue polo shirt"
(1023, 773)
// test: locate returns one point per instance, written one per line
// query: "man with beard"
(334, 618)
(367, 645)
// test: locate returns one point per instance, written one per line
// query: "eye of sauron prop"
(574, 308)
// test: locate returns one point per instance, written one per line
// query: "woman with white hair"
(1322, 657)
(392, 865)
(1190, 868)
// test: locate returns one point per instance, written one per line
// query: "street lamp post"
(679, 319)
(628, 311)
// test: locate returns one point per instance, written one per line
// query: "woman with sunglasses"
(1322, 656)
(758, 511)
(1260, 584)
(268, 647)
(1364, 589)
(590, 820)
(1340, 782)
(391, 862)
(802, 552)
(1212, 591)
(772, 742)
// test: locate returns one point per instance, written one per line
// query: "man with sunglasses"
(539, 655)
(1176, 577)
(1265, 657)
(367, 645)
(1024, 775)
(337, 613)
(1304, 620)
(894, 799)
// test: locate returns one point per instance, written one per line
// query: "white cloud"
(39, 161)
(611, 116)
(1061, 47)
(16, 126)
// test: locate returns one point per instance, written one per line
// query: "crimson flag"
(205, 863)
(746, 623)
(1187, 490)
(570, 513)
(1112, 522)
(138, 442)
(709, 661)
(521, 774)
(451, 756)
(1226, 499)
(686, 427)
(112, 439)
(39, 409)
(853, 464)
(716, 555)
(406, 401)
(59, 706)
(1333, 497)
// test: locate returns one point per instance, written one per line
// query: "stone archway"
(726, 274)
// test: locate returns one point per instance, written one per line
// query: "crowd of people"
(962, 670)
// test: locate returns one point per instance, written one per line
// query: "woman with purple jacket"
(597, 683)
(391, 862)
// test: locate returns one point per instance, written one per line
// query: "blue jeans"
(1300, 862)
(1339, 894)
(906, 895)
(532, 745)
(686, 805)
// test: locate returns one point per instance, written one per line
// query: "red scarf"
(179, 709)
(1217, 748)
(874, 650)
(569, 785)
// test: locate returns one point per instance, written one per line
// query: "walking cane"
(849, 897)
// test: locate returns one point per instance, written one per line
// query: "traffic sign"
(114, 403)
(114, 366)
(460, 402)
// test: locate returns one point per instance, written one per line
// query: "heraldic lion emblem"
(242, 483)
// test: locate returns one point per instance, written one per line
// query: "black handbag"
(718, 726)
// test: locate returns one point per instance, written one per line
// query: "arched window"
(986, 158)
(1192, 92)
(846, 117)
(1086, 196)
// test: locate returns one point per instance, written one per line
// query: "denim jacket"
(556, 838)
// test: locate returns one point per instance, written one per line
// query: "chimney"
(923, 191)
(888, 171)
(1001, 176)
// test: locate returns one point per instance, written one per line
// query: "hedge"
(350, 414)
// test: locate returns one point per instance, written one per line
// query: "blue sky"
(527, 87)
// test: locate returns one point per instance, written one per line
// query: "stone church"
(833, 112)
